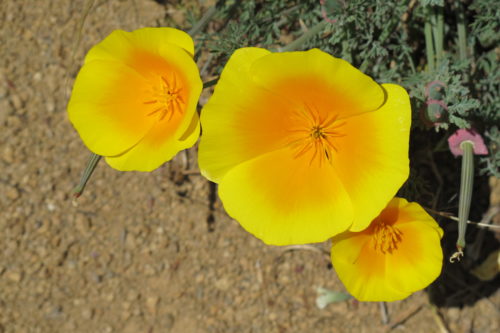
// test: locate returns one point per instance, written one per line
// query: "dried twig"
(484, 222)
(191, 172)
(443, 328)
(475, 249)
(402, 318)
(307, 248)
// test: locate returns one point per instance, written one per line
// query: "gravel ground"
(143, 252)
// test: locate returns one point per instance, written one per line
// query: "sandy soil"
(143, 252)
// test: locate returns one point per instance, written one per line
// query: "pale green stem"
(429, 46)
(93, 159)
(89, 169)
(79, 30)
(205, 19)
(462, 36)
(364, 65)
(434, 31)
(466, 183)
(410, 61)
(296, 44)
(438, 30)
(345, 46)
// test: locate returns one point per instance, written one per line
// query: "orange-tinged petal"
(418, 260)
(159, 145)
(238, 129)
(240, 121)
(283, 202)
(372, 157)
(107, 107)
(237, 69)
(120, 44)
(393, 257)
(362, 270)
(314, 77)
(408, 212)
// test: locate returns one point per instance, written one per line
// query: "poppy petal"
(315, 77)
(408, 212)
(372, 157)
(159, 145)
(418, 259)
(283, 202)
(240, 121)
(119, 45)
(362, 270)
(107, 107)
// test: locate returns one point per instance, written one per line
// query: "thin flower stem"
(466, 183)
(79, 30)
(410, 61)
(438, 31)
(296, 44)
(434, 33)
(384, 313)
(205, 19)
(89, 169)
(79, 33)
(429, 47)
(462, 36)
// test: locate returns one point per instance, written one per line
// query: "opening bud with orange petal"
(398, 254)
(134, 100)
(303, 145)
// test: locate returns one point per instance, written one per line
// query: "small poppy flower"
(398, 254)
(134, 100)
(303, 145)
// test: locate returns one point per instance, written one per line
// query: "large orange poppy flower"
(303, 145)
(398, 254)
(134, 100)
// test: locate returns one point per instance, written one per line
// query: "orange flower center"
(313, 135)
(386, 237)
(167, 98)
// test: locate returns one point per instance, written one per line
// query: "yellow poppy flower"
(398, 254)
(303, 145)
(134, 100)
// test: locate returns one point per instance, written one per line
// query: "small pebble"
(14, 276)
(12, 193)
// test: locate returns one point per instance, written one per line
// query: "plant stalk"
(462, 36)
(296, 44)
(429, 47)
(89, 169)
(205, 19)
(466, 185)
(438, 30)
